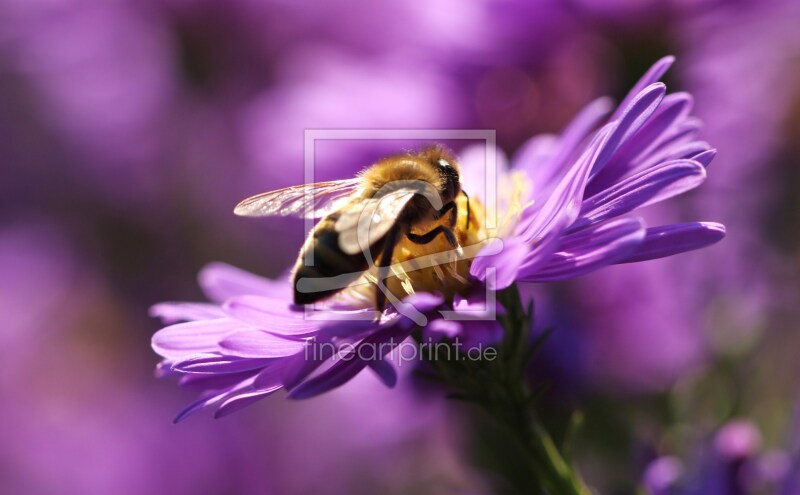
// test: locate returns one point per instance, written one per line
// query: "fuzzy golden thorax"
(434, 267)
(424, 166)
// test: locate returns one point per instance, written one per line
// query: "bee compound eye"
(444, 163)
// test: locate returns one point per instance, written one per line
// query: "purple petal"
(545, 246)
(221, 282)
(668, 240)
(217, 381)
(439, 329)
(164, 369)
(341, 372)
(676, 137)
(690, 149)
(535, 157)
(673, 108)
(240, 401)
(346, 328)
(270, 314)
(194, 337)
(473, 163)
(173, 312)
(704, 157)
(565, 198)
(584, 123)
(275, 373)
(424, 301)
(647, 187)
(200, 403)
(679, 151)
(633, 118)
(215, 363)
(506, 263)
(544, 227)
(651, 76)
(475, 306)
(210, 399)
(385, 371)
(302, 364)
(588, 250)
(259, 344)
(682, 132)
(544, 157)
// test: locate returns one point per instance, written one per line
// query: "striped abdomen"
(331, 269)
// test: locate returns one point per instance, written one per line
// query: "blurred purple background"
(128, 130)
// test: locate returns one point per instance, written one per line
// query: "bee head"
(451, 181)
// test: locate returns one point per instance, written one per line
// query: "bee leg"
(453, 208)
(453, 215)
(430, 236)
(383, 264)
(466, 225)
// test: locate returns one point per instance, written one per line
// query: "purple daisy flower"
(561, 205)
(251, 342)
(585, 181)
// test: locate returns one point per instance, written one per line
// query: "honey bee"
(402, 207)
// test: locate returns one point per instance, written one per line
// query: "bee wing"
(362, 223)
(309, 201)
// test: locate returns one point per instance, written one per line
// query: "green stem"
(499, 387)
(512, 411)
